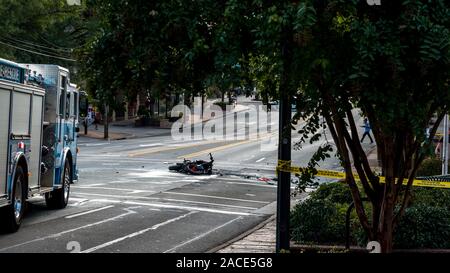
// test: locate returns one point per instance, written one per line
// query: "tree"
(151, 48)
(392, 62)
(341, 55)
(118, 59)
(334, 55)
(40, 31)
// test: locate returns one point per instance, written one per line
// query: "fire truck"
(39, 110)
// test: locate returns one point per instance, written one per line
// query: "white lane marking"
(202, 235)
(114, 189)
(162, 199)
(251, 195)
(217, 197)
(259, 160)
(114, 195)
(55, 235)
(210, 204)
(88, 212)
(148, 183)
(137, 191)
(77, 204)
(129, 236)
(101, 155)
(186, 208)
(94, 144)
(77, 199)
(91, 185)
(253, 184)
(151, 145)
(106, 201)
(110, 164)
(159, 205)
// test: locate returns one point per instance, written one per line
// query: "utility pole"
(284, 150)
(284, 178)
(445, 147)
(106, 121)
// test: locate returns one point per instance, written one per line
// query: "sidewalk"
(122, 130)
(261, 240)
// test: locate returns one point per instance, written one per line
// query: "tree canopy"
(389, 61)
(392, 62)
(42, 31)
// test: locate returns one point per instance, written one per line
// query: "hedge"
(321, 219)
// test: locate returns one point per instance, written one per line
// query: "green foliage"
(429, 167)
(318, 221)
(336, 192)
(43, 31)
(433, 197)
(424, 226)
(321, 219)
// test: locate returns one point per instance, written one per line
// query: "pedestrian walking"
(97, 119)
(366, 131)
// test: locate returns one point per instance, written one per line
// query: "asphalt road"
(126, 200)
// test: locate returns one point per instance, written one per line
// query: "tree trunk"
(166, 107)
(159, 107)
(106, 124)
(385, 237)
(265, 101)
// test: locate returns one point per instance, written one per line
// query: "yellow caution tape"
(285, 166)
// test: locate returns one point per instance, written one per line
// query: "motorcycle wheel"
(175, 167)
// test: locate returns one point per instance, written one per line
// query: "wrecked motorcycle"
(194, 167)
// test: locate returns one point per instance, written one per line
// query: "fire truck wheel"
(12, 215)
(58, 199)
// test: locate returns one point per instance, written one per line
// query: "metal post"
(284, 147)
(284, 178)
(445, 147)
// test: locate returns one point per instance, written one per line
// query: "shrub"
(336, 192)
(321, 219)
(423, 226)
(318, 221)
(433, 197)
(430, 166)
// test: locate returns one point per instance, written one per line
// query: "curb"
(242, 235)
(128, 136)
(371, 150)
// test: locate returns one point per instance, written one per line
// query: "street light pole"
(284, 178)
(284, 150)
(445, 147)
